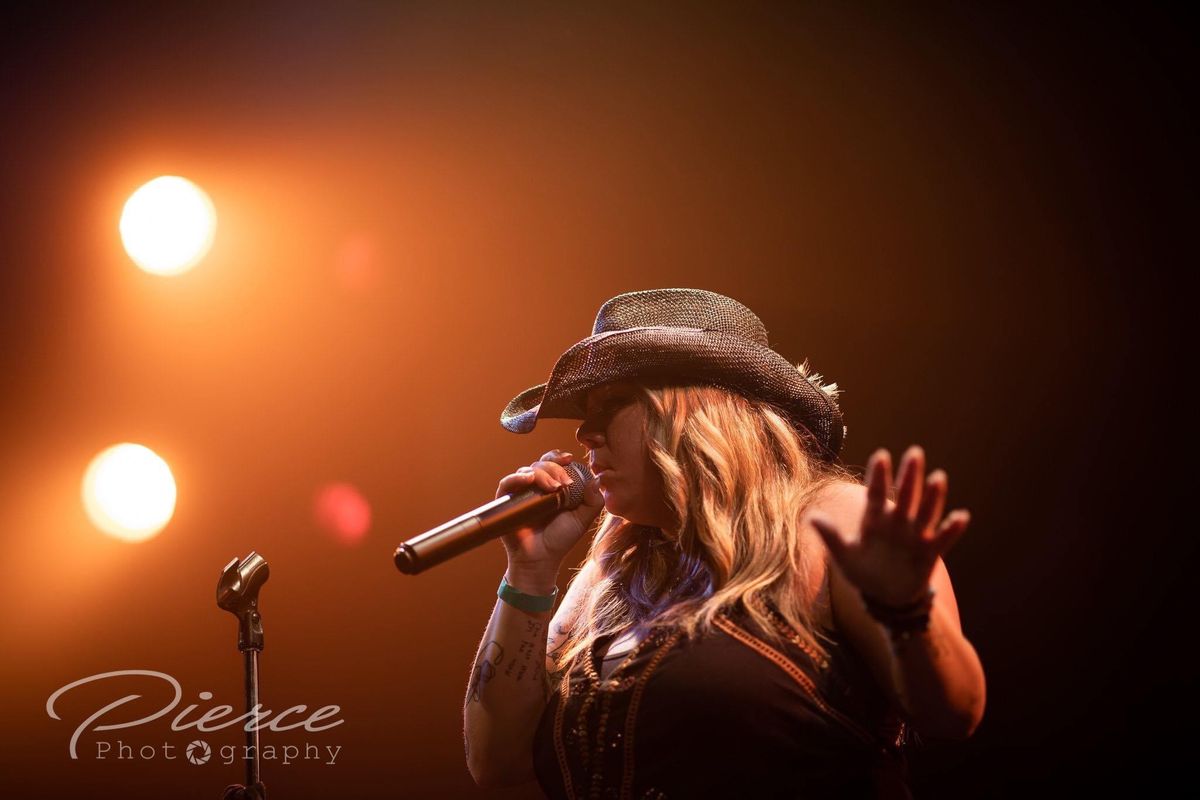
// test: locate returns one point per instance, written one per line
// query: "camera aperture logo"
(199, 751)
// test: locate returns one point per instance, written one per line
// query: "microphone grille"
(580, 474)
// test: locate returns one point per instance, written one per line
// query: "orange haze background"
(963, 216)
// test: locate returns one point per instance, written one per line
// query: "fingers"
(952, 529)
(544, 475)
(524, 478)
(909, 476)
(879, 482)
(932, 502)
(830, 535)
(559, 456)
(554, 463)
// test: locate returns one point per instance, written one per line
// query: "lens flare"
(341, 511)
(168, 225)
(129, 492)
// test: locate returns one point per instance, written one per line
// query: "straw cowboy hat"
(686, 336)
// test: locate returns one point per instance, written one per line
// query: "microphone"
(502, 515)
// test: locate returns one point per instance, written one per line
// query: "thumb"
(592, 505)
(830, 535)
(592, 498)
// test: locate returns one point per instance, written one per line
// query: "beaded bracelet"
(902, 621)
(533, 603)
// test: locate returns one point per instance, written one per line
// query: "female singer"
(751, 618)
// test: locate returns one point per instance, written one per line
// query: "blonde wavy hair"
(738, 477)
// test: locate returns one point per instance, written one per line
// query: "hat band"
(595, 337)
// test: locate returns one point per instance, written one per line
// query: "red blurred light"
(341, 511)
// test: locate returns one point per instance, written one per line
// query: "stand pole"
(252, 764)
(237, 593)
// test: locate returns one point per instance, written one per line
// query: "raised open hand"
(898, 545)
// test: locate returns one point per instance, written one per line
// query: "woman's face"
(612, 430)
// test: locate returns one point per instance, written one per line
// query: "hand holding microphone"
(541, 511)
(547, 544)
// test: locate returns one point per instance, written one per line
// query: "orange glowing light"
(356, 264)
(129, 492)
(341, 511)
(168, 225)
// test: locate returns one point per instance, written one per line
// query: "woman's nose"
(589, 435)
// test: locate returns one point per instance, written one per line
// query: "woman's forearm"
(939, 679)
(506, 693)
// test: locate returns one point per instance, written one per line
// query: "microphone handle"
(502, 515)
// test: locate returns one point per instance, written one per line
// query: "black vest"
(731, 714)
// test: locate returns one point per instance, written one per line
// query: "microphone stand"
(237, 593)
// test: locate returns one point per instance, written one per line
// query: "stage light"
(341, 511)
(129, 492)
(167, 225)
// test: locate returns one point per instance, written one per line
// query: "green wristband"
(533, 603)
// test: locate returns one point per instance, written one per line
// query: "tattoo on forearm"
(521, 666)
(485, 669)
(518, 667)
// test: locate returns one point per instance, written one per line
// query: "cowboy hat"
(685, 336)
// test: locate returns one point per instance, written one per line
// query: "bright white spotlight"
(167, 225)
(129, 492)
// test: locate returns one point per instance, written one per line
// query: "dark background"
(974, 219)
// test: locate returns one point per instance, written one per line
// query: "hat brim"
(687, 355)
